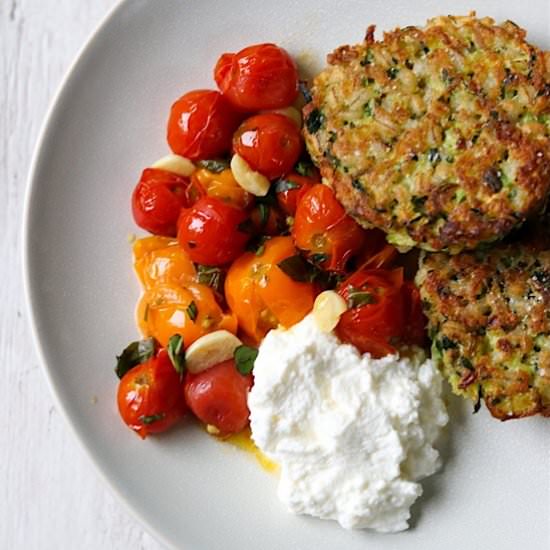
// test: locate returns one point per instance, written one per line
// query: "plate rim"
(29, 290)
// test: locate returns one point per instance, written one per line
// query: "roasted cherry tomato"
(324, 230)
(259, 77)
(291, 189)
(221, 185)
(415, 326)
(201, 125)
(149, 396)
(192, 311)
(212, 232)
(157, 201)
(218, 397)
(271, 144)
(162, 260)
(261, 295)
(375, 321)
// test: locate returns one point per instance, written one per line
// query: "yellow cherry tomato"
(162, 260)
(261, 295)
(192, 311)
(222, 186)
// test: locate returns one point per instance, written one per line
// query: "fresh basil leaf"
(283, 185)
(244, 359)
(297, 268)
(192, 311)
(315, 121)
(134, 354)
(176, 353)
(151, 419)
(214, 165)
(263, 211)
(210, 276)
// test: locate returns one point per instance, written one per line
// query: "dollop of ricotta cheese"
(352, 435)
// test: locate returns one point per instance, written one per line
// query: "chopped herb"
(304, 168)
(319, 258)
(210, 276)
(176, 353)
(214, 165)
(315, 121)
(367, 60)
(392, 72)
(283, 185)
(367, 108)
(134, 354)
(358, 298)
(151, 419)
(297, 269)
(192, 311)
(418, 203)
(304, 90)
(492, 178)
(263, 211)
(466, 363)
(445, 76)
(434, 156)
(356, 184)
(244, 359)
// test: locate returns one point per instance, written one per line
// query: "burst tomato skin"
(271, 144)
(218, 397)
(149, 396)
(259, 77)
(211, 232)
(375, 327)
(297, 187)
(201, 125)
(322, 227)
(157, 201)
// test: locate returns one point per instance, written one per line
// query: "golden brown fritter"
(438, 135)
(489, 319)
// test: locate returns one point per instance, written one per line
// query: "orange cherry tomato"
(157, 201)
(271, 144)
(222, 186)
(212, 232)
(324, 230)
(261, 295)
(162, 260)
(149, 396)
(263, 76)
(218, 397)
(375, 322)
(201, 125)
(192, 311)
(291, 189)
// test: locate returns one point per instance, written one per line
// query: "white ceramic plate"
(105, 126)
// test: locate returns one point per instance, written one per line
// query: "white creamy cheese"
(352, 435)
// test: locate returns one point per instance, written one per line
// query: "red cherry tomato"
(149, 396)
(291, 189)
(201, 125)
(376, 321)
(218, 396)
(270, 143)
(324, 230)
(211, 233)
(157, 201)
(259, 77)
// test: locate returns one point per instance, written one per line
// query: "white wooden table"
(50, 494)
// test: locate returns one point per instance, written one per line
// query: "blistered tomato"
(162, 260)
(201, 125)
(291, 189)
(223, 186)
(270, 143)
(261, 295)
(259, 77)
(212, 232)
(324, 230)
(218, 397)
(149, 396)
(192, 311)
(157, 201)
